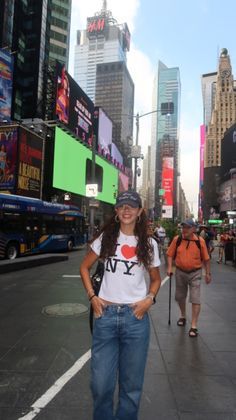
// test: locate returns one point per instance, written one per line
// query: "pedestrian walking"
(121, 326)
(189, 253)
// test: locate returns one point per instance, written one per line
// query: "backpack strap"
(179, 240)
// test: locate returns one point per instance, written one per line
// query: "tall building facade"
(60, 32)
(208, 95)
(165, 132)
(36, 33)
(223, 117)
(103, 41)
(6, 23)
(115, 94)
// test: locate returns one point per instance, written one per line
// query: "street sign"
(161, 192)
(91, 190)
(215, 222)
(167, 212)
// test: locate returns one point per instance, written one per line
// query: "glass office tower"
(165, 131)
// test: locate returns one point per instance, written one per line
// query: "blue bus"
(29, 226)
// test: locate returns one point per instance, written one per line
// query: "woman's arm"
(85, 267)
(155, 283)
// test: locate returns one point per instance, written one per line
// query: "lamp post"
(167, 108)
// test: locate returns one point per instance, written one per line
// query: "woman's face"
(127, 214)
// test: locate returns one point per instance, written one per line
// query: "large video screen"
(8, 158)
(6, 70)
(30, 164)
(103, 130)
(71, 169)
(168, 185)
(73, 107)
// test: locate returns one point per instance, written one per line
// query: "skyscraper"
(6, 23)
(222, 118)
(103, 41)
(115, 94)
(36, 33)
(60, 31)
(165, 130)
(208, 95)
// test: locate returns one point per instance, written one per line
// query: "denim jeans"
(119, 348)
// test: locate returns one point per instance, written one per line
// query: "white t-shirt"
(123, 280)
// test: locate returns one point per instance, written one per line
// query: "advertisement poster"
(6, 70)
(167, 186)
(30, 164)
(73, 107)
(102, 130)
(8, 157)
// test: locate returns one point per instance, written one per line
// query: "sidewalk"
(194, 378)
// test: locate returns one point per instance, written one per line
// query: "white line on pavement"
(56, 387)
(71, 275)
(62, 381)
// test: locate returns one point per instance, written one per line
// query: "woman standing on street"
(121, 329)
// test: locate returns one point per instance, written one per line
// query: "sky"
(180, 33)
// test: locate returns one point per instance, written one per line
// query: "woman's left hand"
(141, 307)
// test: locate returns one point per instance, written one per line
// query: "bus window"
(49, 223)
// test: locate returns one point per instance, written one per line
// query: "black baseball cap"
(131, 198)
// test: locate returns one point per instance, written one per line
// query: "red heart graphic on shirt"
(128, 251)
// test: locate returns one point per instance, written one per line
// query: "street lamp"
(167, 108)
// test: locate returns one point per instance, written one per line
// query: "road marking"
(71, 275)
(56, 387)
(45, 399)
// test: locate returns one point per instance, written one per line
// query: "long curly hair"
(110, 231)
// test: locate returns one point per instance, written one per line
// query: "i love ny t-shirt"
(123, 280)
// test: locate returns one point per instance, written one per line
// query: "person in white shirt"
(121, 328)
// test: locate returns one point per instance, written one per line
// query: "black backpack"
(180, 239)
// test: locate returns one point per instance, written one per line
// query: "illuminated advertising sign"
(8, 157)
(30, 164)
(103, 130)
(167, 186)
(116, 155)
(6, 70)
(126, 37)
(202, 145)
(73, 106)
(95, 25)
(73, 168)
(123, 182)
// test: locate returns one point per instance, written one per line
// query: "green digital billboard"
(73, 167)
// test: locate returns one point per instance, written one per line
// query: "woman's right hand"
(98, 306)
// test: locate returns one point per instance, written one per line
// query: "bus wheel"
(70, 245)
(12, 251)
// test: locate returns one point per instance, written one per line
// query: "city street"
(186, 378)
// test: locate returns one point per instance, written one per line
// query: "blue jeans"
(120, 346)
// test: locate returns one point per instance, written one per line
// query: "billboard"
(228, 152)
(6, 71)
(201, 174)
(8, 157)
(73, 107)
(167, 186)
(29, 164)
(103, 130)
(72, 169)
(116, 155)
(123, 182)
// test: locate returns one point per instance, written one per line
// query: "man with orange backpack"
(189, 253)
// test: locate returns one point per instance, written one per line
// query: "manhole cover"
(65, 309)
